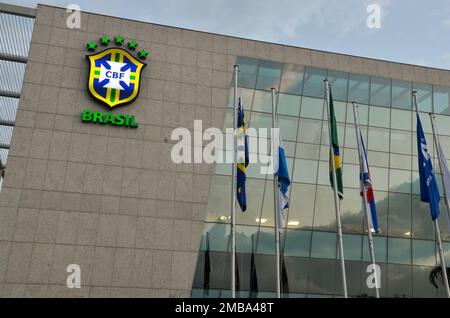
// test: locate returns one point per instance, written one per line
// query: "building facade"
(111, 200)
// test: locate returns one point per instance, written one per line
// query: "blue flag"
(429, 191)
(242, 158)
(283, 182)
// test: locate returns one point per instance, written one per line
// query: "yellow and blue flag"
(242, 157)
(336, 152)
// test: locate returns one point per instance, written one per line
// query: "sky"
(411, 31)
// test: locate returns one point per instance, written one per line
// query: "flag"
(253, 275)
(242, 158)
(336, 152)
(284, 278)
(207, 270)
(283, 184)
(445, 177)
(429, 191)
(367, 179)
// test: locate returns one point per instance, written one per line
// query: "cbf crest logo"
(114, 73)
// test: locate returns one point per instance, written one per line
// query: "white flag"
(445, 177)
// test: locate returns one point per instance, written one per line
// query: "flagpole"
(233, 190)
(438, 233)
(336, 197)
(364, 197)
(275, 201)
(435, 222)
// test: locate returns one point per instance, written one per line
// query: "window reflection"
(262, 102)
(401, 95)
(380, 91)
(302, 204)
(424, 253)
(248, 70)
(269, 75)
(359, 89)
(339, 85)
(314, 85)
(441, 99)
(399, 215)
(379, 117)
(399, 281)
(322, 276)
(424, 96)
(399, 251)
(288, 105)
(312, 108)
(292, 79)
(324, 215)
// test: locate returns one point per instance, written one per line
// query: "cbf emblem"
(115, 74)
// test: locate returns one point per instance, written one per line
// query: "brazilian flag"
(336, 152)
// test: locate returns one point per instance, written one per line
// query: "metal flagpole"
(276, 202)
(435, 222)
(233, 190)
(438, 233)
(364, 196)
(336, 198)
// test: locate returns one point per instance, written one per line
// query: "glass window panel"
(359, 89)
(307, 151)
(262, 102)
(324, 173)
(443, 128)
(302, 204)
(400, 161)
(339, 85)
(351, 214)
(421, 282)
(353, 276)
(312, 108)
(322, 277)
(325, 140)
(379, 117)
(288, 127)
(288, 105)
(424, 96)
(399, 251)
(310, 130)
(324, 215)
(266, 241)
(314, 82)
(292, 79)
(323, 245)
(379, 247)
(218, 237)
(401, 119)
(351, 156)
(378, 139)
(401, 95)
(426, 126)
(363, 114)
(248, 71)
(289, 148)
(365, 289)
(441, 100)
(380, 91)
(340, 111)
(12, 76)
(269, 75)
(305, 171)
(379, 178)
(218, 208)
(297, 243)
(378, 159)
(424, 253)
(399, 215)
(351, 176)
(246, 96)
(352, 247)
(297, 269)
(400, 181)
(399, 281)
(401, 142)
(422, 224)
(259, 120)
(443, 224)
(255, 196)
